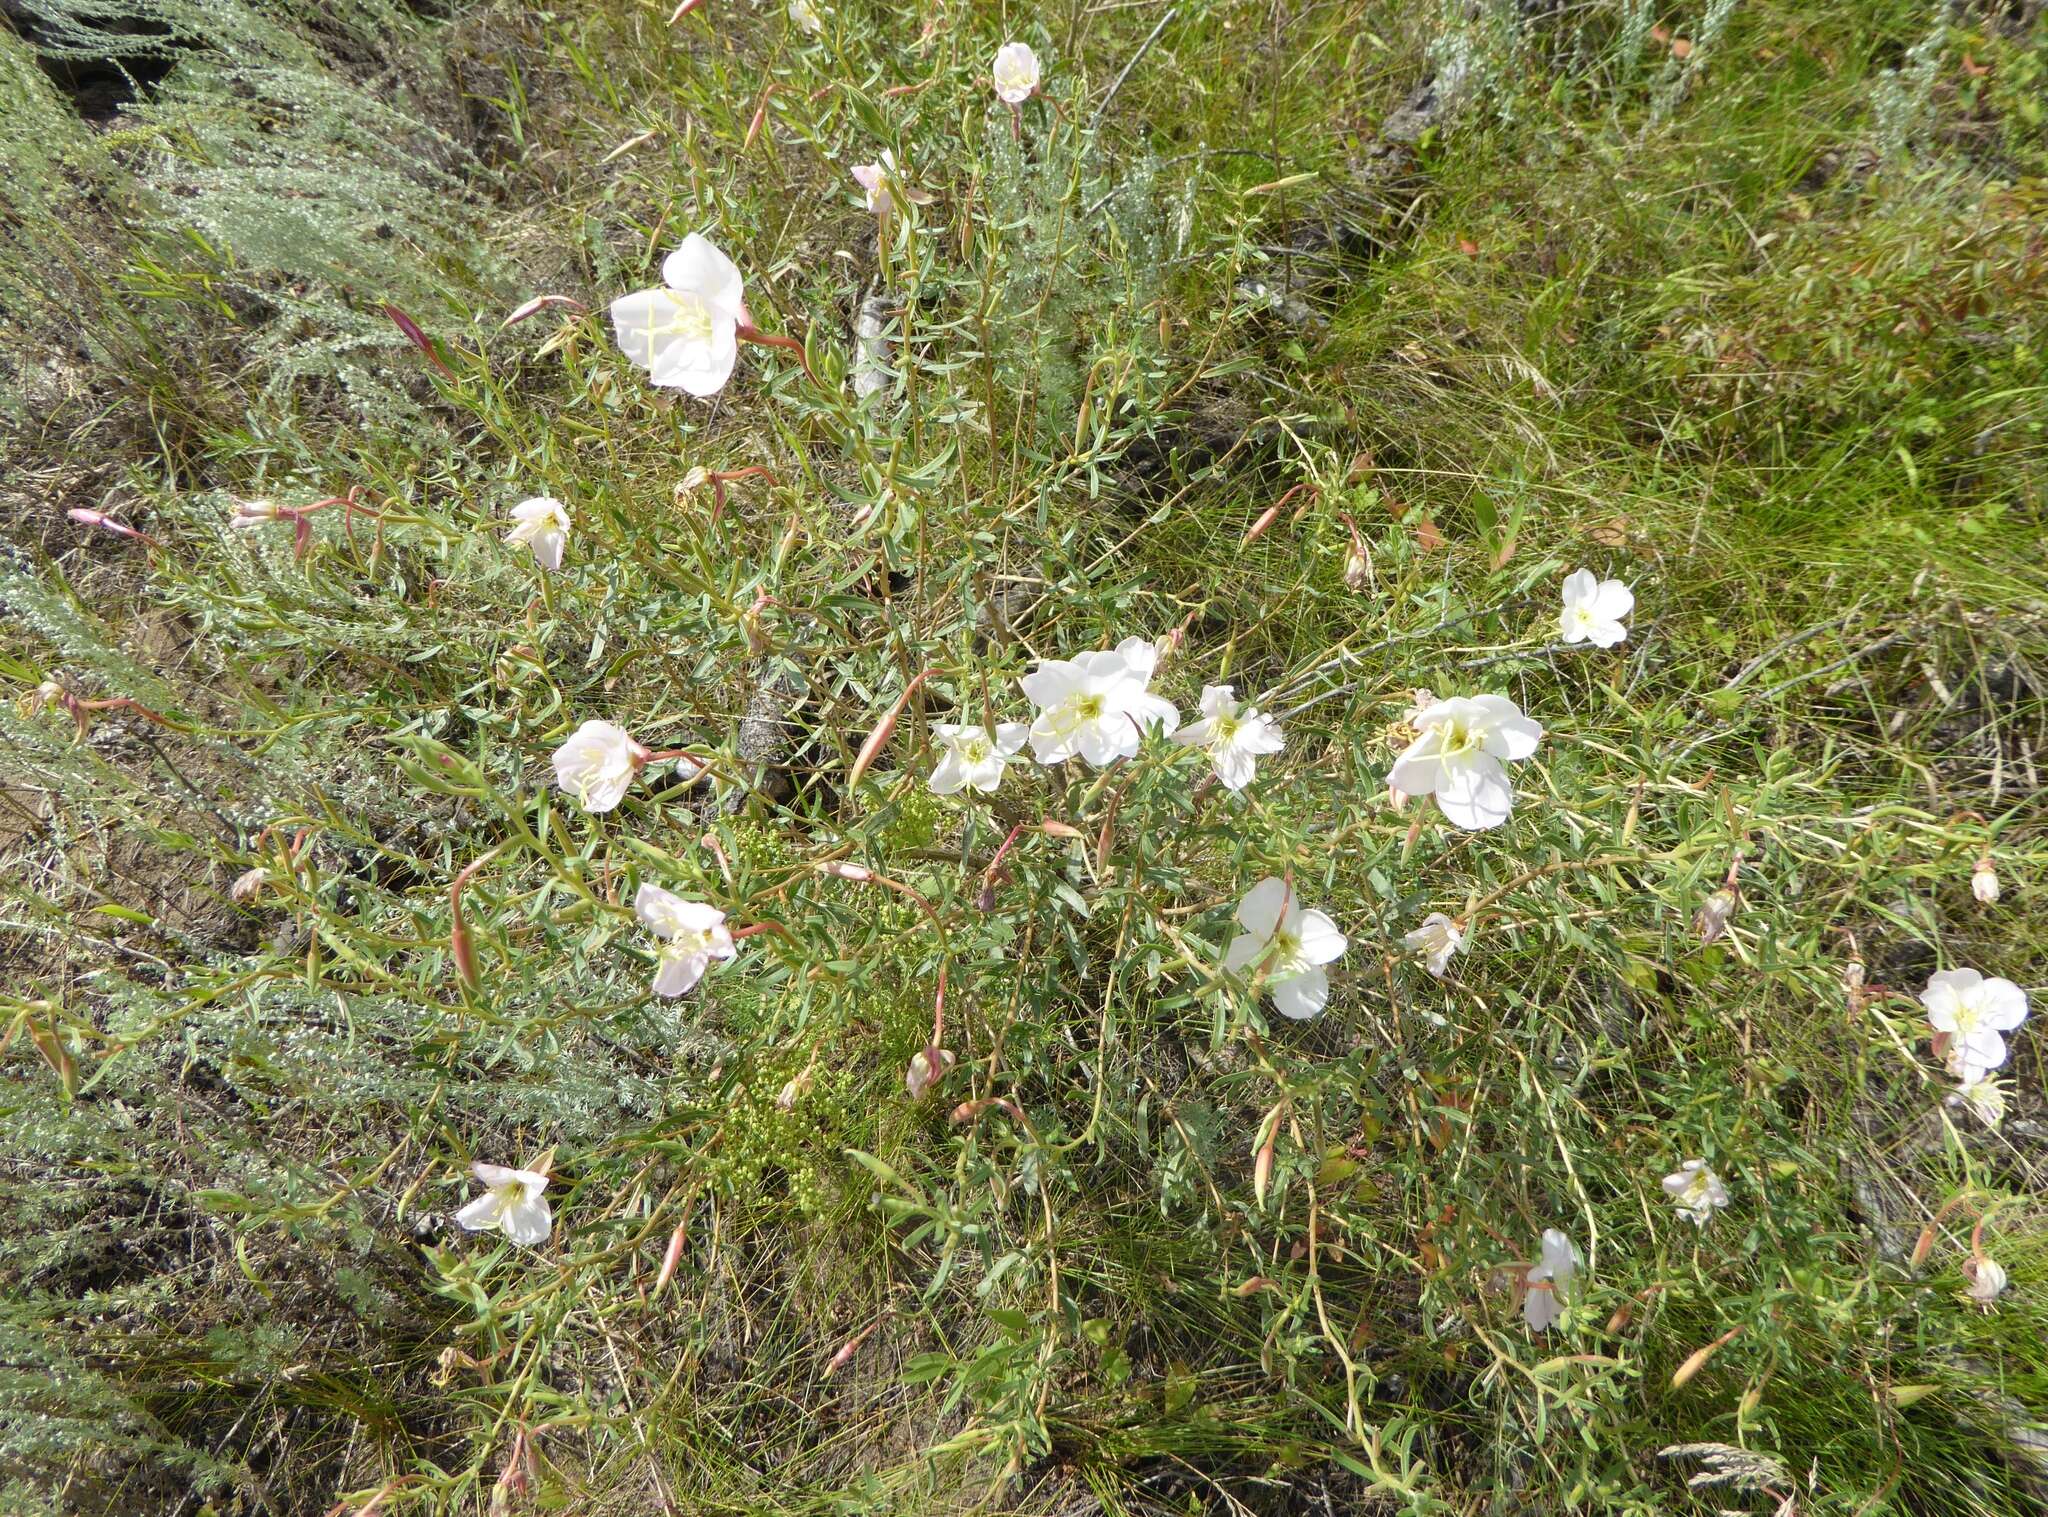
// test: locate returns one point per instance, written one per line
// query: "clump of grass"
(1749, 322)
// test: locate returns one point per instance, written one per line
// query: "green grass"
(1759, 329)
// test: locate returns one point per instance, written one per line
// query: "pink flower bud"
(928, 1067)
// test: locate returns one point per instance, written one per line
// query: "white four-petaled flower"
(1594, 610)
(512, 1203)
(1984, 1097)
(1541, 1308)
(970, 758)
(1016, 73)
(1234, 736)
(685, 333)
(1973, 1011)
(806, 16)
(692, 935)
(541, 524)
(1096, 705)
(1460, 755)
(1290, 944)
(1696, 1191)
(597, 764)
(1436, 940)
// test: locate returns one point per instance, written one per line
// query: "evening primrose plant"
(1098, 765)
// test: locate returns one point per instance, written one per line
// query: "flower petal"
(528, 1220)
(1474, 794)
(1321, 942)
(699, 266)
(1302, 996)
(1260, 911)
(481, 1214)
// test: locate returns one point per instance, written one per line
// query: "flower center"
(688, 317)
(1227, 727)
(1458, 738)
(1967, 1019)
(1088, 707)
(975, 750)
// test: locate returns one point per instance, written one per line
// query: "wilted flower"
(971, 759)
(1696, 1191)
(50, 692)
(512, 1203)
(692, 934)
(1594, 610)
(928, 1066)
(1293, 945)
(1560, 1262)
(1459, 757)
(1234, 736)
(1984, 881)
(1973, 1011)
(1984, 1097)
(598, 763)
(1016, 73)
(685, 334)
(249, 884)
(1711, 920)
(1986, 1278)
(805, 15)
(1096, 705)
(541, 524)
(1357, 570)
(1436, 940)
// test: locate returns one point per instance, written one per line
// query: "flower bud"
(1357, 572)
(248, 885)
(1984, 881)
(1711, 920)
(255, 513)
(1986, 1277)
(928, 1066)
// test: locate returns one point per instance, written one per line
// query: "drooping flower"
(692, 935)
(249, 884)
(1234, 736)
(1973, 1012)
(1985, 1099)
(1460, 755)
(1986, 1277)
(971, 759)
(1292, 945)
(1696, 1191)
(1096, 705)
(541, 524)
(1436, 940)
(685, 333)
(1594, 610)
(1560, 1262)
(1712, 919)
(597, 764)
(805, 16)
(512, 1203)
(1984, 882)
(1016, 73)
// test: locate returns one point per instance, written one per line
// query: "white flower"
(1696, 1191)
(1594, 609)
(692, 934)
(1096, 705)
(806, 16)
(1987, 1279)
(1016, 73)
(874, 178)
(598, 763)
(685, 334)
(1436, 940)
(1973, 1011)
(511, 1203)
(1234, 736)
(1293, 945)
(971, 758)
(1459, 755)
(1984, 1097)
(541, 524)
(1561, 1260)
(1984, 881)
